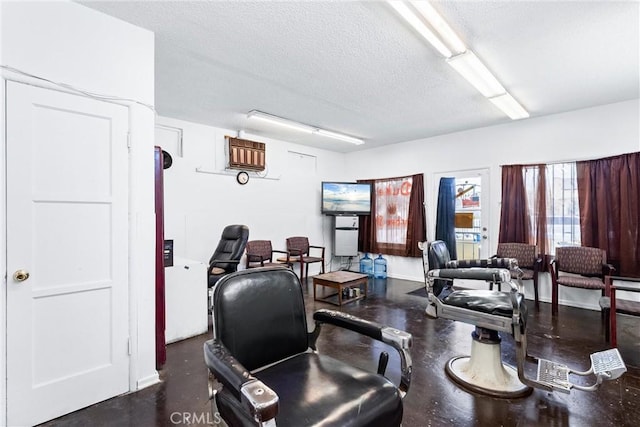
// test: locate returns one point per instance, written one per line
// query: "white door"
(472, 212)
(67, 228)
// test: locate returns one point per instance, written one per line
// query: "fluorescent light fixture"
(472, 69)
(280, 121)
(275, 120)
(420, 27)
(440, 25)
(510, 106)
(339, 136)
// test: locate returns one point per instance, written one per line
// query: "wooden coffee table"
(340, 280)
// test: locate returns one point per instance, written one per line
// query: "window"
(392, 210)
(397, 221)
(561, 200)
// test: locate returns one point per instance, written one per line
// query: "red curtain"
(608, 194)
(515, 226)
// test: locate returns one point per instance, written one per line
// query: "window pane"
(563, 214)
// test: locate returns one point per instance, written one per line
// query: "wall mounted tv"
(346, 198)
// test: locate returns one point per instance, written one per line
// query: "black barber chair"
(265, 369)
(492, 312)
(226, 257)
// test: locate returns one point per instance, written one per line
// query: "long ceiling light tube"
(449, 37)
(463, 60)
(509, 106)
(291, 124)
(420, 27)
(476, 73)
(275, 120)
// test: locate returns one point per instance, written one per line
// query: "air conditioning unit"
(245, 154)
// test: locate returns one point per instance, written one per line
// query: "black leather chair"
(265, 370)
(226, 257)
(439, 258)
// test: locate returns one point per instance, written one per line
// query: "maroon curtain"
(367, 223)
(608, 194)
(514, 214)
(416, 228)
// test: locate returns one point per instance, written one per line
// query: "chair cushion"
(527, 274)
(217, 270)
(310, 259)
(484, 301)
(317, 390)
(581, 282)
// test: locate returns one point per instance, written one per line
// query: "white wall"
(69, 43)
(585, 134)
(286, 202)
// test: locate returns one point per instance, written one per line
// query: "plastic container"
(366, 265)
(380, 267)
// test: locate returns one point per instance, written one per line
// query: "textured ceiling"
(359, 69)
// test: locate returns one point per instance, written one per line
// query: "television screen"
(346, 198)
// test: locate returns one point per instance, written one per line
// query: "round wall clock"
(242, 177)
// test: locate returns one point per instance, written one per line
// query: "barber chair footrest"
(555, 375)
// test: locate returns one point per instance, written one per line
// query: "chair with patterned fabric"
(529, 261)
(578, 267)
(299, 251)
(260, 254)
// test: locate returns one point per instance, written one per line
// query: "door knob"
(20, 275)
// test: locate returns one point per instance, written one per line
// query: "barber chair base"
(483, 372)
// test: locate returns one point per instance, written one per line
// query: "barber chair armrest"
(400, 340)
(258, 399)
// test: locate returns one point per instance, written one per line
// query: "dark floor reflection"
(433, 400)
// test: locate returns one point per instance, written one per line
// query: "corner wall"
(68, 43)
(578, 135)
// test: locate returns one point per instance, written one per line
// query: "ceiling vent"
(245, 154)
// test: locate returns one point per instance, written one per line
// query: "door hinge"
(128, 139)
(129, 346)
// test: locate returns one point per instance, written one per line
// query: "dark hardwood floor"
(433, 400)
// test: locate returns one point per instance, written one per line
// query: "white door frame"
(485, 202)
(135, 380)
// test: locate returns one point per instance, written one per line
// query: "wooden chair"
(529, 261)
(578, 267)
(299, 251)
(612, 303)
(260, 254)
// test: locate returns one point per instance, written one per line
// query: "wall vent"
(245, 154)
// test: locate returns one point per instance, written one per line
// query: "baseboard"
(148, 381)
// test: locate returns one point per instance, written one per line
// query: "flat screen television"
(346, 198)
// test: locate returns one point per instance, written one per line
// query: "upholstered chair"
(529, 261)
(299, 251)
(260, 253)
(578, 267)
(226, 257)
